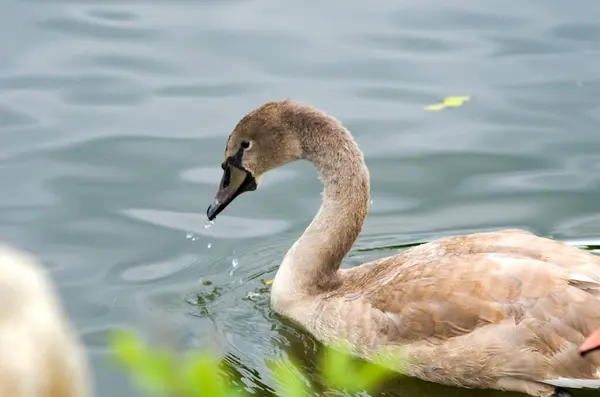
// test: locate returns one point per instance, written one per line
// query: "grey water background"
(114, 116)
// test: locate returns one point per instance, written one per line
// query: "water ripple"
(577, 32)
(83, 89)
(87, 27)
(205, 90)
(11, 118)
(230, 227)
(151, 272)
(128, 63)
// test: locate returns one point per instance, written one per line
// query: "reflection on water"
(114, 118)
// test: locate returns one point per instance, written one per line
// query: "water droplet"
(234, 265)
(208, 224)
(208, 245)
(191, 236)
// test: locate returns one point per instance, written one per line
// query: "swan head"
(265, 138)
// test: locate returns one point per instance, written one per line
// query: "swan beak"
(234, 182)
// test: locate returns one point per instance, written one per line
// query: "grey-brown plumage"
(503, 310)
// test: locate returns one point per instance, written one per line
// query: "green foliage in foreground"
(162, 372)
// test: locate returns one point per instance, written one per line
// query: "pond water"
(114, 117)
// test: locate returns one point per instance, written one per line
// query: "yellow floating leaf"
(267, 282)
(455, 101)
(437, 106)
(451, 101)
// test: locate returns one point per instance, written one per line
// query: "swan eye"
(245, 145)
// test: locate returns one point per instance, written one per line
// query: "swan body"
(502, 310)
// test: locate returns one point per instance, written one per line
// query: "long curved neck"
(311, 265)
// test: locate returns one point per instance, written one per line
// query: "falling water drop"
(208, 224)
(234, 265)
(191, 236)
(208, 245)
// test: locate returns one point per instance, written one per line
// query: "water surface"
(114, 116)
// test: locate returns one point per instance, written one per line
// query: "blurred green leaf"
(126, 347)
(290, 382)
(343, 371)
(336, 367)
(201, 375)
(160, 371)
(370, 376)
(152, 369)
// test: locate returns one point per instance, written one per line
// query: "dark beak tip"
(211, 212)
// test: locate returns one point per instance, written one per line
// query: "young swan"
(40, 354)
(502, 310)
